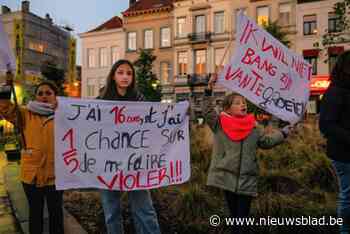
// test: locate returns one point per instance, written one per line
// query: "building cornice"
(100, 33)
(147, 11)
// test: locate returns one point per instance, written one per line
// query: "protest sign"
(267, 73)
(120, 145)
(7, 59)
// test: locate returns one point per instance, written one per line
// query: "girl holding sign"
(335, 125)
(121, 86)
(234, 166)
(37, 156)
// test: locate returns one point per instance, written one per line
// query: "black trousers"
(239, 206)
(54, 199)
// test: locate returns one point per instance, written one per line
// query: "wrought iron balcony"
(199, 37)
(197, 79)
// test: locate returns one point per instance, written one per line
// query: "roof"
(112, 23)
(148, 6)
(307, 1)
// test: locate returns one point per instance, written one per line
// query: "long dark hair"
(48, 83)
(109, 91)
(340, 75)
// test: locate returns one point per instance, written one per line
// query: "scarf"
(237, 128)
(41, 108)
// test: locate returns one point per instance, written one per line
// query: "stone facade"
(101, 48)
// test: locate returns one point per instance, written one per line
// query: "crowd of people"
(234, 167)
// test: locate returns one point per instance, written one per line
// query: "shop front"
(318, 87)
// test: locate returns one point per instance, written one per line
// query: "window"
(313, 62)
(182, 63)
(200, 62)
(332, 59)
(200, 24)
(91, 84)
(219, 22)
(333, 23)
(132, 41)
(180, 27)
(94, 86)
(38, 47)
(148, 43)
(115, 54)
(165, 72)
(91, 58)
(165, 37)
(219, 53)
(285, 14)
(103, 57)
(310, 25)
(262, 15)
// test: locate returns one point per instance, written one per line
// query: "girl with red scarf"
(234, 167)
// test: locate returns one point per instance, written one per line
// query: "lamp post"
(155, 84)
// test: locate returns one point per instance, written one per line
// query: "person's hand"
(212, 81)
(286, 130)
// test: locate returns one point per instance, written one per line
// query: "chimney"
(5, 9)
(25, 6)
(131, 2)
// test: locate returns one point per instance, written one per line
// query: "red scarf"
(237, 128)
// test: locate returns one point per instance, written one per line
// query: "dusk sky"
(82, 15)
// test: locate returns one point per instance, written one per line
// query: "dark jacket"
(335, 122)
(234, 166)
(130, 96)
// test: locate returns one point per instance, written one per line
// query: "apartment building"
(204, 38)
(148, 25)
(101, 48)
(315, 19)
(35, 40)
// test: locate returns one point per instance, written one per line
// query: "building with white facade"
(204, 38)
(315, 19)
(101, 48)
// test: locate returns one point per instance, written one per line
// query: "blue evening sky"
(82, 15)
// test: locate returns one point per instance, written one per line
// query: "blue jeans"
(343, 204)
(143, 212)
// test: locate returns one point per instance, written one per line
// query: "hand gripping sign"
(267, 73)
(120, 145)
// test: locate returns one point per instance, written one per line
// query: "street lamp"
(155, 84)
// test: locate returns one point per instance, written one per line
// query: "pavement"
(14, 207)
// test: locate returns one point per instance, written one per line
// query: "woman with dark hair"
(37, 156)
(121, 86)
(335, 125)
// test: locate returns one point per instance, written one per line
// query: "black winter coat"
(335, 122)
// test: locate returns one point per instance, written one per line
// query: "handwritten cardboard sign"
(267, 73)
(120, 145)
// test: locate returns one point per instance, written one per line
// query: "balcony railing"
(197, 79)
(199, 37)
